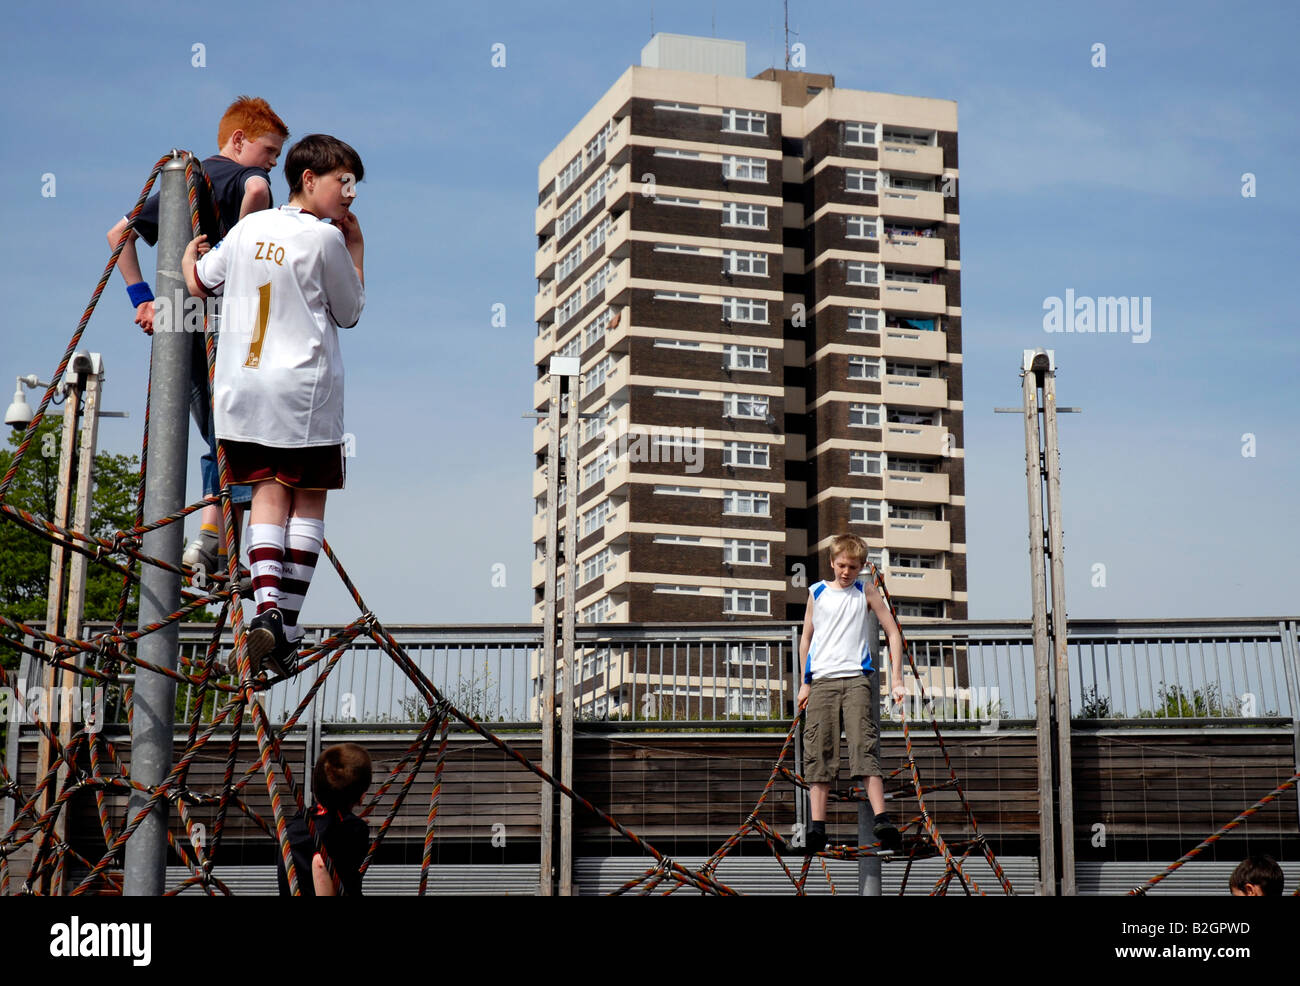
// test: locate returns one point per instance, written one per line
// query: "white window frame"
(757, 502)
(858, 179)
(742, 551)
(863, 463)
(864, 511)
(752, 310)
(859, 134)
(746, 357)
(864, 320)
(869, 272)
(867, 411)
(757, 602)
(749, 406)
(754, 216)
(752, 263)
(867, 227)
(747, 455)
(736, 167)
(864, 367)
(738, 121)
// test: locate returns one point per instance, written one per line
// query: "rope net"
(108, 656)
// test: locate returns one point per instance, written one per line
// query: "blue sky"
(1122, 180)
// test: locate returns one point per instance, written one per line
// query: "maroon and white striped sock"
(302, 544)
(265, 563)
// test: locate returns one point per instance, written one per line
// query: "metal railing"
(975, 671)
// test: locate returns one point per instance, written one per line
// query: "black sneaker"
(265, 639)
(815, 841)
(888, 836)
(284, 659)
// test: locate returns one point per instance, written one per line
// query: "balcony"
(927, 535)
(921, 251)
(914, 297)
(543, 301)
(914, 391)
(920, 583)
(906, 203)
(915, 344)
(915, 439)
(544, 224)
(916, 487)
(921, 158)
(544, 259)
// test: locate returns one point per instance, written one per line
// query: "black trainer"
(265, 640)
(888, 836)
(815, 841)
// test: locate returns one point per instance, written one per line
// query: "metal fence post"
(869, 866)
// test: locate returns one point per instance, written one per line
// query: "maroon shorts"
(318, 467)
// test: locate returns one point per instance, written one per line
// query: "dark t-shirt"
(228, 179)
(346, 839)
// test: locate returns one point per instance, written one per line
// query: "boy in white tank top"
(839, 682)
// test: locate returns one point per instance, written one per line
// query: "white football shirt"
(839, 648)
(287, 283)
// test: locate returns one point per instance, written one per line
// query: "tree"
(25, 556)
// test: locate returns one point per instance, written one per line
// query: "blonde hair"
(848, 544)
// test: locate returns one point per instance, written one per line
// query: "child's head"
(341, 776)
(251, 134)
(848, 553)
(322, 173)
(1256, 876)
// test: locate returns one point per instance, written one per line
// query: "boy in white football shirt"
(839, 678)
(288, 281)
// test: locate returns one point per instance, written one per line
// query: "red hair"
(253, 116)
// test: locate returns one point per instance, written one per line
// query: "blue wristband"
(139, 293)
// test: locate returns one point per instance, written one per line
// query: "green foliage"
(472, 696)
(1177, 702)
(25, 557)
(1095, 706)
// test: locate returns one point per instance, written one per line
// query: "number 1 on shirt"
(259, 332)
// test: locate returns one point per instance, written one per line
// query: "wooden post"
(547, 675)
(1042, 658)
(58, 581)
(570, 629)
(1060, 638)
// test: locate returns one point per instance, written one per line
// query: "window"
(675, 151)
(746, 357)
(749, 655)
(745, 262)
(747, 702)
(559, 587)
(744, 121)
(915, 511)
(677, 392)
(678, 588)
(597, 565)
(745, 405)
(912, 465)
(859, 180)
(752, 454)
(860, 272)
(596, 329)
(865, 512)
(859, 134)
(860, 227)
(669, 448)
(596, 146)
(923, 610)
(677, 539)
(864, 368)
(568, 263)
(911, 276)
(571, 348)
(744, 310)
(597, 375)
(679, 107)
(904, 416)
(679, 200)
(746, 601)
(862, 320)
(864, 415)
(896, 369)
(915, 183)
(677, 344)
(679, 490)
(676, 296)
(595, 518)
(594, 470)
(597, 612)
(594, 427)
(596, 193)
(865, 463)
(738, 552)
(569, 219)
(744, 214)
(748, 502)
(912, 559)
(594, 286)
(675, 248)
(596, 238)
(568, 308)
(905, 137)
(569, 175)
(744, 168)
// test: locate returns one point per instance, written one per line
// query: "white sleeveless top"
(839, 646)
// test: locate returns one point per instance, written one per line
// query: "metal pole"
(160, 590)
(802, 815)
(1042, 658)
(547, 675)
(570, 619)
(1060, 641)
(869, 866)
(1291, 671)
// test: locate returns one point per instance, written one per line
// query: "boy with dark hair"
(250, 136)
(289, 281)
(839, 683)
(339, 781)
(1256, 876)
